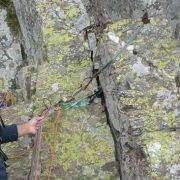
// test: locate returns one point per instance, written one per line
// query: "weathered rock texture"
(105, 11)
(30, 25)
(82, 147)
(172, 10)
(140, 88)
(10, 54)
(131, 158)
(32, 45)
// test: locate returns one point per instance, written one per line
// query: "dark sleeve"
(3, 174)
(9, 134)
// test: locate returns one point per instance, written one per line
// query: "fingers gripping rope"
(35, 161)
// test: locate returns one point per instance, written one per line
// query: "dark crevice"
(114, 132)
(24, 56)
(11, 17)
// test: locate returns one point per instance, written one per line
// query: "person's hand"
(34, 124)
(30, 127)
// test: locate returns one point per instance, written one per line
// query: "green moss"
(119, 24)
(41, 6)
(163, 52)
(48, 31)
(161, 64)
(72, 12)
(79, 67)
(58, 38)
(68, 84)
(154, 174)
(59, 57)
(170, 119)
(76, 143)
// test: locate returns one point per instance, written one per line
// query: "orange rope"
(52, 148)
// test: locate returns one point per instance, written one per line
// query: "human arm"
(30, 127)
(11, 133)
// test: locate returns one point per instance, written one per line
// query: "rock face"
(140, 87)
(32, 45)
(172, 10)
(30, 25)
(105, 11)
(21, 51)
(10, 54)
(137, 73)
(82, 146)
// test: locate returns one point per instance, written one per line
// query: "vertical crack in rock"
(112, 129)
(131, 159)
(128, 153)
(32, 45)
